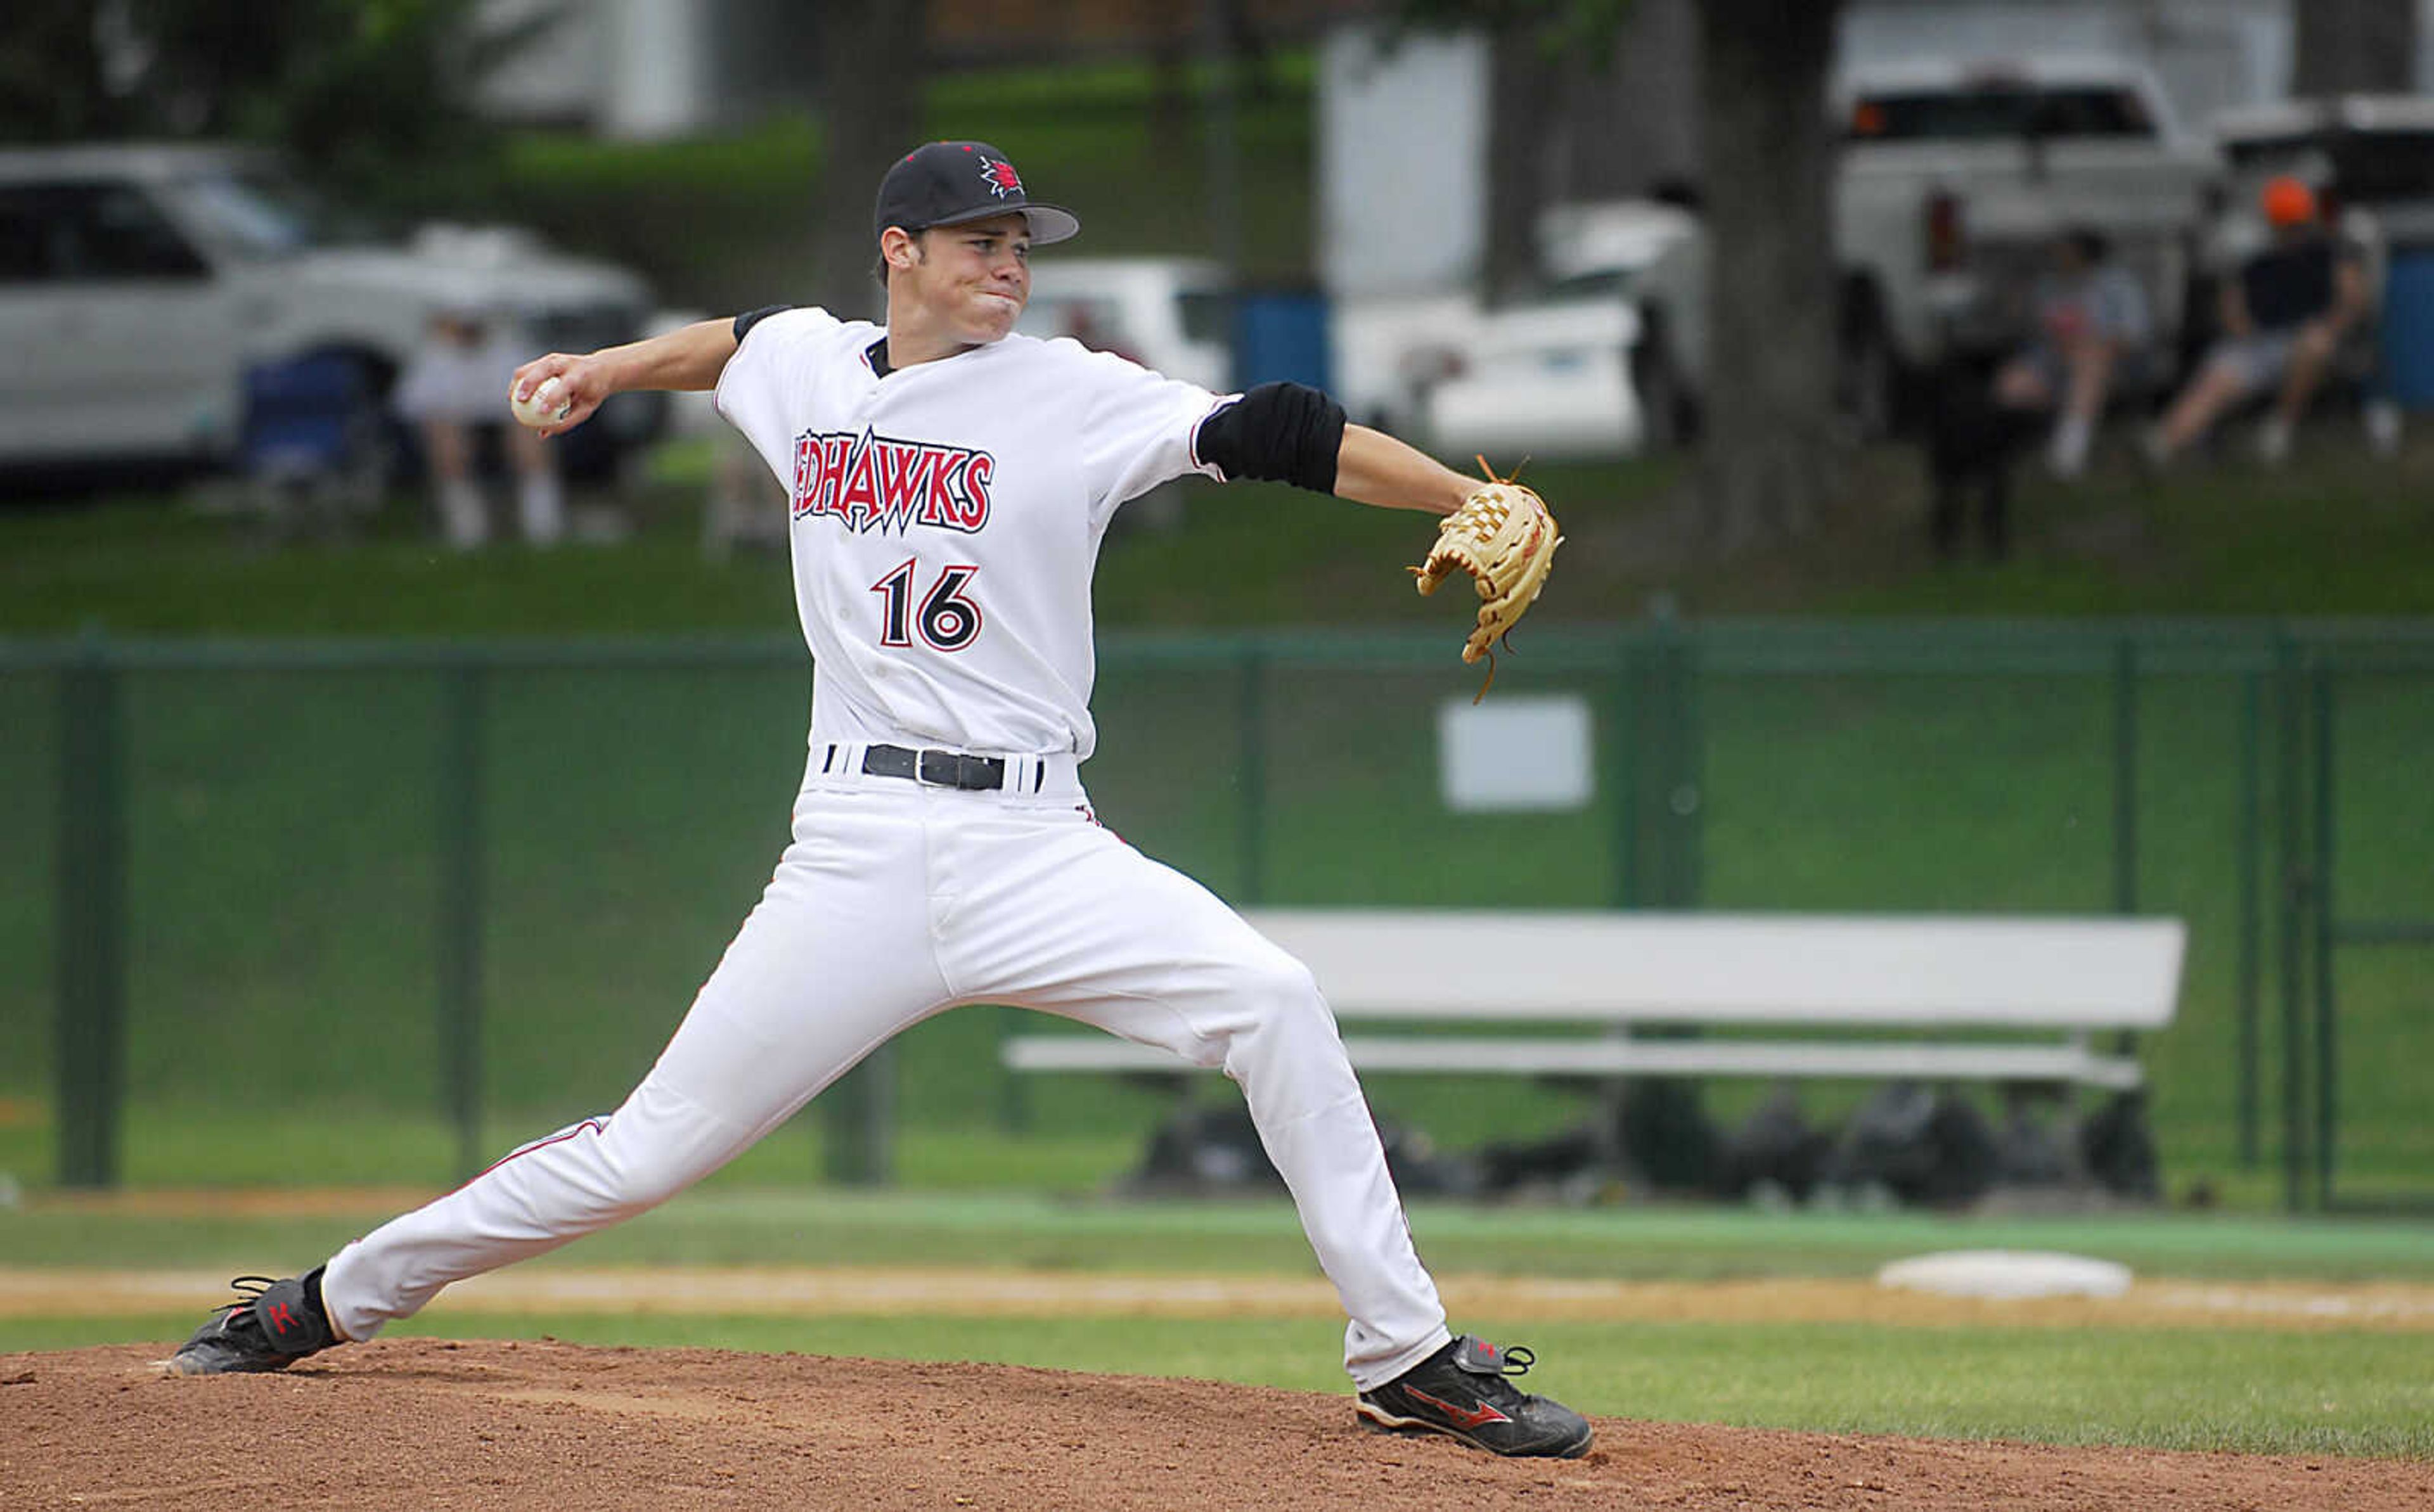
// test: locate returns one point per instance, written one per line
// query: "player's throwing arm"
(557, 392)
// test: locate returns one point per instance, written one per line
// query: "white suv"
(140, 284)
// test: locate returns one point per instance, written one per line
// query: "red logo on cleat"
(281, 1319)
(1468, 1417)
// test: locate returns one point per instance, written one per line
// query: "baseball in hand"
(545, 406)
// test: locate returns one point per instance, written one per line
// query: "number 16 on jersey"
(946, 620)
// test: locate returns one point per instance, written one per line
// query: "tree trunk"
(872, 67)
(1522, 79)
(1768, 462)
(2354, 46)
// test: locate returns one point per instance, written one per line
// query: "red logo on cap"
(1003, 180)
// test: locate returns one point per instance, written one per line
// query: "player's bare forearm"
(688, 358)
(1373, 468)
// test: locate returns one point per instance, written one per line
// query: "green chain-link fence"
(466, 890)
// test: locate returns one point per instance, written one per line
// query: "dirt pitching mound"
(430, 1423)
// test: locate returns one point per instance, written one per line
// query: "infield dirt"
(921, 1291)
(447, 1423)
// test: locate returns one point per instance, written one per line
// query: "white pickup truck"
(1953, 178)
(139, 285)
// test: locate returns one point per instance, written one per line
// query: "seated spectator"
(2284, 317)
(455, 385)
(2092, 329)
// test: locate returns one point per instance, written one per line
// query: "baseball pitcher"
(949, 484)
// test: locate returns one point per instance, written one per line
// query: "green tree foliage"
(364, 91)
(2344, 45)
(51, 85)
(1559, 27)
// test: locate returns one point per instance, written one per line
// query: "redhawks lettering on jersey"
(879, 482)
(947, 521)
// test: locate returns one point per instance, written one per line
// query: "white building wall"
(1401, 170)
(560, 75)
(658, 80)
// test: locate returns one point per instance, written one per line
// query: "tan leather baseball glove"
(1504, 538)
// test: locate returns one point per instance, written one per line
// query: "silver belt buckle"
(939, 769)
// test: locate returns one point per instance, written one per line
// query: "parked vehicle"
(1554, 376)
(142, 285)
(1548, 379)
(1953, 180)
(1550, 376)
(2370, 156)
(1167, 313)
(1389, 350)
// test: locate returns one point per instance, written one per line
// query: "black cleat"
(1461, 1391)
(274, 1324)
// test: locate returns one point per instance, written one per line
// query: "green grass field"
(2355, 1390)
(738, 1220)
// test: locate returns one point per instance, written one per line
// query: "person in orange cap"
(2287, 201)
(2282, 317)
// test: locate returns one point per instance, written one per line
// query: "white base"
(2007, 1273)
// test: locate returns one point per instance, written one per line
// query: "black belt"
(940, 769)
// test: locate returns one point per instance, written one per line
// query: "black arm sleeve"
(753, 318)
(1287, 432)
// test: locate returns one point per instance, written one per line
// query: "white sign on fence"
(1508, 754)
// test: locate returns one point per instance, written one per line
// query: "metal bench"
(1928, 998)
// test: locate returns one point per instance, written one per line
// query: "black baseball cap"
(947, 183)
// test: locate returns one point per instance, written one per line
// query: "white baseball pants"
(895, 902)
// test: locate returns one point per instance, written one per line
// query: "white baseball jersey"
(946, 519)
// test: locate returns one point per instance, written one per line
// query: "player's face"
(976, 278)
